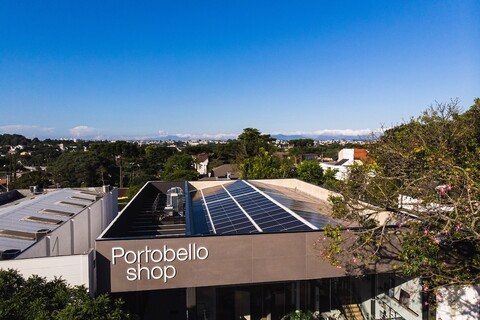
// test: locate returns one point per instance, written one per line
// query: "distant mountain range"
(275, 136)
(326, 137)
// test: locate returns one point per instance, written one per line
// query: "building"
(201, 163)
(241, 250)
(346, 158)
(225, 171)
(53, 233)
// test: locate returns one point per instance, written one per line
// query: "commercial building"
(241, 250)
(52, 233)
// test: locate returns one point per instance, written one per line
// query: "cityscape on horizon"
(253, 160)
(207, 71)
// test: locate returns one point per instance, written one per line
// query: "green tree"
(34, 178)
(251, 141)
(81, 169)
(311, 172)
(179, 167)
(425, 174)
(37, 298)
(262, 166)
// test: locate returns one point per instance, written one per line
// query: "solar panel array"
(239, 208)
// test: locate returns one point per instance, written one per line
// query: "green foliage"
(252, 142)
(300, 315)
(179, 167)
(311, 172)
(34, 178)
(37, 298)
(431, 164)
(81, 169)
(13, 139)
(301, 142)
(261, 166)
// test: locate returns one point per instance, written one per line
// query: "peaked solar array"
(239, 208)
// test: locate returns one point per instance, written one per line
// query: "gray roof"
(20, 222)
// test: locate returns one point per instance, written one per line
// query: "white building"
(53, 234)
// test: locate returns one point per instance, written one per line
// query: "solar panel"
(239, 208)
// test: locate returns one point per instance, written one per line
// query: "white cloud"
(208, 136)
(334, 132)
(30, 131)
(82, 131)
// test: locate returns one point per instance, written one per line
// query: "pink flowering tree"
(417, 201)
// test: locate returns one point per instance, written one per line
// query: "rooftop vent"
(71, 204)
(21, 235)
(36, 189)
(42, 220)
(82, 199)
(57, 212)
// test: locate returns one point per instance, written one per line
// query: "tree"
(426, 175)
(262, 166)
(81, 169)
(251, 141)
(33, 178)
(37, 298)
(310, 171)
(179, 167)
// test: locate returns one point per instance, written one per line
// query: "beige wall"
(231, 260)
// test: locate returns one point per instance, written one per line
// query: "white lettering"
(153, 272)
(134, 257)
(160, 256)
(169, 276)
(204, 255)
(182, 254)
(131, 274)
(166, 254)
(166, 251)
(114, 256)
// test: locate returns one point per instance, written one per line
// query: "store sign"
(156, 263)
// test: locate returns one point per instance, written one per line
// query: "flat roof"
(232, 207)
(21, 223)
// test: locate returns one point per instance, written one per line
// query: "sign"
(156, 263)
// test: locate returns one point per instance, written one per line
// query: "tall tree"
(426, 174)
(251, 140)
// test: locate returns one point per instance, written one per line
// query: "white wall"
(77, 235)
(75, 269)
(458, 302)
(347, 154)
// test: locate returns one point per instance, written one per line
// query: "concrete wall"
(304, 187)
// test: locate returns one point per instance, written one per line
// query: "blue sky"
(111, 69)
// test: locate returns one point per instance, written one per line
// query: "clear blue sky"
(138, 68)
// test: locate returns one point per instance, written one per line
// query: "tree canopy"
(426, 174)
(37, 298)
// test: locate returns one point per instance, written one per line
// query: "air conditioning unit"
(175, 199)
